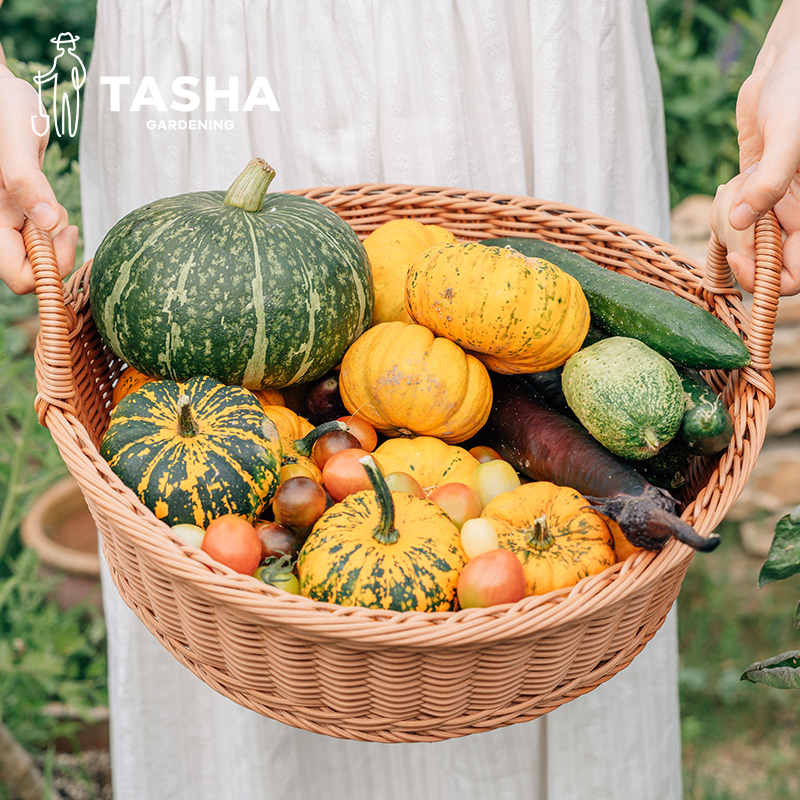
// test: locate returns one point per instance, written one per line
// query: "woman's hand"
(24, 190)
(768, 118)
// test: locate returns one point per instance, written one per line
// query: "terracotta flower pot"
(61, 530)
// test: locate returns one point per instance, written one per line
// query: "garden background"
(739, 739)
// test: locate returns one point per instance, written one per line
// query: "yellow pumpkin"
(129, 381)
(554, 532)
(390, 248)
(407, 382)
(269, 397)
(430, 461)
(517, 314)
(292, 429)
(383, 549)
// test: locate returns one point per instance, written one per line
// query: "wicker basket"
(381, 675)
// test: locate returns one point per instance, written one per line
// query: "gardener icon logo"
(64, 99)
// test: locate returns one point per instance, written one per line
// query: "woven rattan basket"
(381, 675)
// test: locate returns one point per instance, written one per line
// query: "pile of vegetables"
(411, 423)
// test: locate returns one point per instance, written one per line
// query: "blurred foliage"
(705, 50)
(46, 655)
(29, 25)
(26, 30)
(739, 739)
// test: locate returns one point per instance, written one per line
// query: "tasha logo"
(66, 101)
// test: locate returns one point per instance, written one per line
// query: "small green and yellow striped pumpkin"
(516, 314)
(194, 451)
(383, 549)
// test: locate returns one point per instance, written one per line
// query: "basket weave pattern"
(381, 675)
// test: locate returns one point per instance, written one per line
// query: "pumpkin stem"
(539, 536)
(248, 190)
(304, 445)
(385, 531)
(187, 425)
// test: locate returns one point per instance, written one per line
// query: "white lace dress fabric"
(557, 99)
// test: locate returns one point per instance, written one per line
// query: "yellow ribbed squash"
(390, 248)
(555, 533)
(429, 460)
(407, 382)
(383, 549)
(517, 314)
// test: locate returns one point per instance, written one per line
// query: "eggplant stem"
(648, 520)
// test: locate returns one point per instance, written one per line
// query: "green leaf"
(779, 672)
(783, 559)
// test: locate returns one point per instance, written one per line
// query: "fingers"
(24, 189)
(21, 153)
(790, 276)
(15, 267)
(740, 244)
(764, 184)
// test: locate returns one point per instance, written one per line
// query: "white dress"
(558, 99)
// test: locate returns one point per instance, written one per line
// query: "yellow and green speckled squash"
(405, 381)
(554, 532)
(517, 314)
(383, 549)
(429, 460)
(390, 248)
(194, 451)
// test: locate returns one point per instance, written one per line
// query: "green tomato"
(491, 478)
(191, 534)
(403, 482)
(279, 578)
(478, 535)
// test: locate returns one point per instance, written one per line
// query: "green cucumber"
(678, 329)
(707, 426)
(667, 467)
(628, 396)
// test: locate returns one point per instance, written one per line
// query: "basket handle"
(54, 362)
(766, 290)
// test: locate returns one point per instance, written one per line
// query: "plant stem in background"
(18, 768)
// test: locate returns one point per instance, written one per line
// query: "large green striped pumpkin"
(254, 289)
(194, 451)
(383, 549)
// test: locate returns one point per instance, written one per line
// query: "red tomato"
(233, 541)
(277, 540)
(403, 482)
(485, 453)
(491, 578)
(458, 501)
(332, 442)
(343, 474)
(363, 430)
(298, 502)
